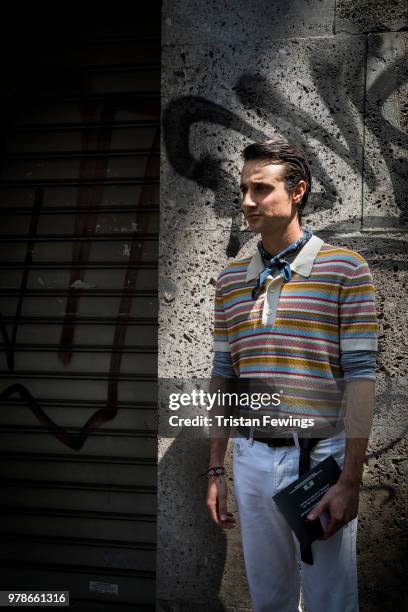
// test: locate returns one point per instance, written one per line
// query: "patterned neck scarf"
(278, 261)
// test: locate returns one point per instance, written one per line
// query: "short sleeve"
(357, 314)
(221, 342)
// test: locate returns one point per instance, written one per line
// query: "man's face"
(266, 203)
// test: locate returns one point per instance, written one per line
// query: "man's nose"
(247, 201)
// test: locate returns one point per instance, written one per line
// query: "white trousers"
(272, 557)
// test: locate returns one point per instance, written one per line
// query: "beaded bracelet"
(218, 470)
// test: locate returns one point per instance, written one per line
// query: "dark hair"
(277, 150)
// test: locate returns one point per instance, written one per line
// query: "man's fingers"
(317, 510)
(213, 505)
(229, 518)
(212, 508)
(229, 522)
(217, 504)
(222, 508)
(222, 500)
(226, 518)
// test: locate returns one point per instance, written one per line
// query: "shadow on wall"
(256, 93)
(384, 255)
(193, 549)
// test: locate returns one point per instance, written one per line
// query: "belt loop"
(296, 439)
(251, 437)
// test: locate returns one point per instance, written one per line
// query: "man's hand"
(217, 502)
(341, 500)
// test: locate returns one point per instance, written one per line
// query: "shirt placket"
(273, 287)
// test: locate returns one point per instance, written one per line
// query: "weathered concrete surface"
(245, 22)
(382, 536)
(223, 86)
(200, 566)
(192, 584)
(358, 16)
(189, 262)
(385, 199)
(216, 99)
(387, 256)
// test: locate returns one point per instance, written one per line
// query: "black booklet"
(298, 499)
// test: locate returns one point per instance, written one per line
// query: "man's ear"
(299, 191)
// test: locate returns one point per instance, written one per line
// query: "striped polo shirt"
(296, 330)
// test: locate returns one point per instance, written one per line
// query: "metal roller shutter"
(78, 285)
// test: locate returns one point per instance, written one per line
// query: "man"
(305, 309)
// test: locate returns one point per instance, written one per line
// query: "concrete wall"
(332, 76)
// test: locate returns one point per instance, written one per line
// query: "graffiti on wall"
(256, 93)
(92, 173)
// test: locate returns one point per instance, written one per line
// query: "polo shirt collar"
(302, 264)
